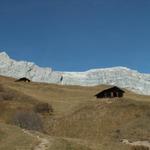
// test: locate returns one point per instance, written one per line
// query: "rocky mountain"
(119, 76)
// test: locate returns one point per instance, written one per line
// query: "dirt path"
(44, 143)
(137, 143)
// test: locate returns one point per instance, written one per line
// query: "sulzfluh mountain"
(118, 76)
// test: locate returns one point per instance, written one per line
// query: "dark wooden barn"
(111, 93)
(24, 79)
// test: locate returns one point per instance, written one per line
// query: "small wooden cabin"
(111, 93)
(24, 79)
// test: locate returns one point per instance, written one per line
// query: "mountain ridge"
(118, 76)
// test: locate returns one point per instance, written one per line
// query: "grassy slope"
(81, 121)
(13, 138)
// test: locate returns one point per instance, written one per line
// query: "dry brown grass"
(13, 138)
(79, 115)
(140, 147)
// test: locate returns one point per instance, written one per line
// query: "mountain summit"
(118, 76)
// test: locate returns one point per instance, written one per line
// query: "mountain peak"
(4, 55)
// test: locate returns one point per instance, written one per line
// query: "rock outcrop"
(119, 76)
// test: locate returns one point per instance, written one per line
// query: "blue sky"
(77, 35)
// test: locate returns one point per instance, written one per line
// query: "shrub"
(140, 147)
(43, 108)
(28, 120)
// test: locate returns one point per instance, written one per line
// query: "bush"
(43, 108)
(140, 147)
(28, 120)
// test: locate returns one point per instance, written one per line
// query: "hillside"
(119, 76)
(79, 120)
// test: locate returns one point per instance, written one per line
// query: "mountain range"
(118, 76)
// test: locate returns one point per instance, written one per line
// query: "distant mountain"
(119, 76)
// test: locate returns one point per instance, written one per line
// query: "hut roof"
(115, 89)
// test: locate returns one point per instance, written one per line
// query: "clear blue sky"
(76, 35)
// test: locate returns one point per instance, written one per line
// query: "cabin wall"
(110, 94)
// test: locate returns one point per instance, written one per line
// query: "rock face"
(119, 76)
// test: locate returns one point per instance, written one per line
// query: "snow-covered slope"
(119, 76)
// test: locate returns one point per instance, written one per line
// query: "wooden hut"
(24, 79)
(111, 93)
